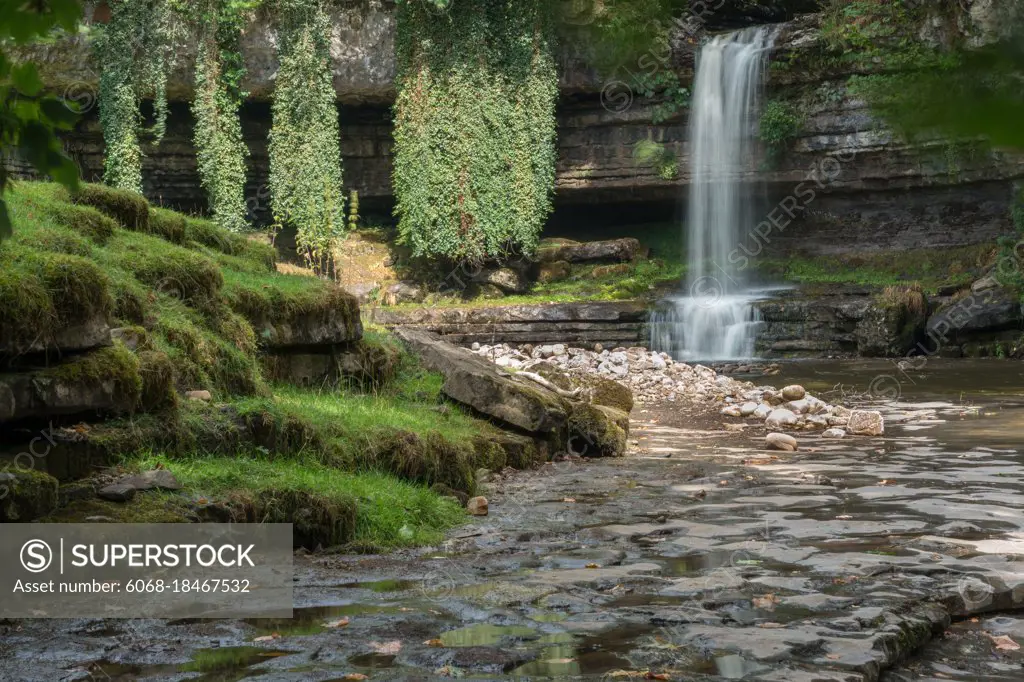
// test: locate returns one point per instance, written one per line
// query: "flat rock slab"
(117, 492)
(53, 393)
(612, 323)
(155, 479)
(473, 381)
(614, 250)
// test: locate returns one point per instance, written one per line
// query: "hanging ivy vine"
(220, 149)
(474, 164)
(305, 154)
(135, 50)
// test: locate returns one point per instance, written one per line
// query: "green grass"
(389, 512)
(932, 268)
(343, 465)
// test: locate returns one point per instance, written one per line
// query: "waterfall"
(715, 318)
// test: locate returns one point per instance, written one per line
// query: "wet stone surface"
(701, 556)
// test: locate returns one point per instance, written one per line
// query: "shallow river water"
(701, 556)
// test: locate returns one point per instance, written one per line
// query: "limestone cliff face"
(856, 185)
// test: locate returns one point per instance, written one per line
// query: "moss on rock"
(26, 495)
(129, 209)
(41, 292)
(609, 393)
(150, 507)
(115, 364)
(87, 221)
(318, 520)
(167, 225)
(597, 431)
(259, 255)
(157, 372)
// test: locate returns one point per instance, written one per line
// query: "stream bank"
(699, 556)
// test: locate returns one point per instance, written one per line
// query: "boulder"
(602, 271)
(987, 309)
(833, 433)
(336, 321)
(597, 431)
(506, 279)
(732, 411)
(106, 380)
(27, 495)
(479, 384)
(793, 392)
(780, 441)
(554, 272)
(866, 423)
(79, 335)
(608, 393)
(402, 292)
(551, 251)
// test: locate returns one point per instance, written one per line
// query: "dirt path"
(700, 556)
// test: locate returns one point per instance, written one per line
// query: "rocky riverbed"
(700, 556)
(655, 378)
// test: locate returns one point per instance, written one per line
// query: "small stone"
(761, 412)
(747, 409)
(731, 411)
(779, 418)
(160, 479)
(866, 423)
(99, 519)
(793, 392)
(117, 492)
(833, 433)
(475, 346)
(797, 406)
(199, 395)
(477, 506)
(598, 348)
(780, 441)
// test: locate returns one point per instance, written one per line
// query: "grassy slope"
(190, 290)
(932, 268)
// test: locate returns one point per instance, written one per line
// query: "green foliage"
(657, 156)
(220, 149)
(625, 34)
(136, 50)
(353, 210)
(780, 123)
(28, 119)
(474, 126)
(666, 90)
(305, 154)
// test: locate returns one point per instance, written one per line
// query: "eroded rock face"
(87, 334)
(337, 325)
(607, 322)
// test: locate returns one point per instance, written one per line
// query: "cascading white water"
(716, 319)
